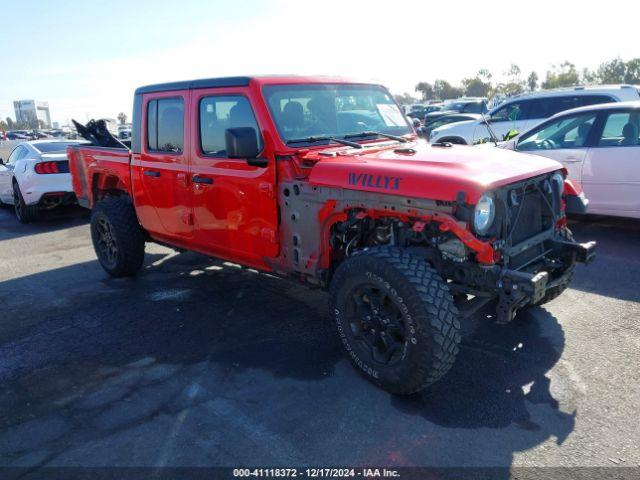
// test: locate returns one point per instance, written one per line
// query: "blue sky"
(86, 61)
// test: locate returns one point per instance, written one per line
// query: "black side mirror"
(242, 142)
(1, 161)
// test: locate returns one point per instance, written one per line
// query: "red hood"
(436, 173)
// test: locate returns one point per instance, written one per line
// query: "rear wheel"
(118, 238)
(24, 213)
(396, 319)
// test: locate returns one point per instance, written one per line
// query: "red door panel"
(234, 204)
(160, 173)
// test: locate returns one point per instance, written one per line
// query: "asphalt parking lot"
(200, 363)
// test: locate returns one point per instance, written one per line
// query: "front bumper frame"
(512, 288)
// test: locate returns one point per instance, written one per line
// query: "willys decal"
(374, 181)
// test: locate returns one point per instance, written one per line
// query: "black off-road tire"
(425, 306)
(24, 213)
(117, 216)
(556, 291)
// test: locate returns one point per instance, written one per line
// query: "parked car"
(419, 111)
(600, 148)
(425, 130)
(463, 105)
(36, 177)
(17, 136)
(322, 181)
(524, 111)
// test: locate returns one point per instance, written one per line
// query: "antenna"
(493, 135)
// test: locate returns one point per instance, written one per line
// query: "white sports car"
(36, 177)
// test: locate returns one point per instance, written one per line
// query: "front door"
(564, 139)
(161, 171)
(511, 116)
(234, 204)
(611, 171)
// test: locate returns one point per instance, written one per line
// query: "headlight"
(558, 180)
(484, 214)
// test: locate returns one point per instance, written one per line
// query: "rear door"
(234, 204)
(161, 171)
(611, 171)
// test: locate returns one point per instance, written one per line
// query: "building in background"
(33, 113)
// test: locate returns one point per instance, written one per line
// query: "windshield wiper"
(324, 139)
(380, 134)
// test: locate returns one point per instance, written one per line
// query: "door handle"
(199, 179)
(571, 159)
(151, 173)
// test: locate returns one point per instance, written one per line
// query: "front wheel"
(118, 238)
(396, 319)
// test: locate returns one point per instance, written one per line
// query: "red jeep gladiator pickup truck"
(324, 180)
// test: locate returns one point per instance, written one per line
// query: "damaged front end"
(536, 253)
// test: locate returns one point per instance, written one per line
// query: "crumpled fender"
(576, 201)
(572, 187)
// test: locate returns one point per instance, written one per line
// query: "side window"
(565, 132)
(475, 107)
(219, 113)
(621, 129)
(165, 125)
(18, 153)
(586, 100)
(511, 112)
(549, 106)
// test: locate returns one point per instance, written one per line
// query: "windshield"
(54, 147)
(333, 110)
(455, 106)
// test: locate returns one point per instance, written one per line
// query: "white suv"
(522, 112)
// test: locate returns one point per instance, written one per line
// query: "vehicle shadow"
(498, 381)
(111, 368)
(57, 219)
(614, 271)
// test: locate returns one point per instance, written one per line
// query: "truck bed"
(95, 170)
(99, 167)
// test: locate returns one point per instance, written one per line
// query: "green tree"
(589, 77)
(426, 90)
(445, 91)
(478, 86)
(612, 71)
(10, 123)
(563, 75)
(513, 84)
(632, 75)
(3, 126)
(405, 99)
(122, 118)
(532, 81)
